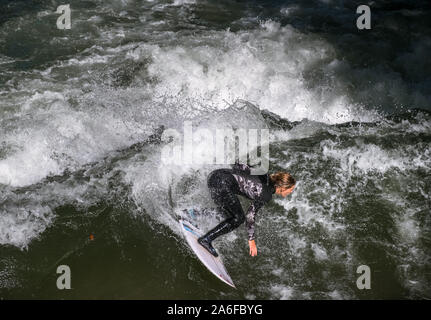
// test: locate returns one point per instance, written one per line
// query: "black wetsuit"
(225, 185)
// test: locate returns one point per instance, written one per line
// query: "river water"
(82, 183)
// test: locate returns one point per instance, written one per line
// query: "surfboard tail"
(213, 264)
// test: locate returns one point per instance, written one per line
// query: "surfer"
(226, 184)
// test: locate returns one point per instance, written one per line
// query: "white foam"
(19, 225)
(319, 252)
(28, 166)
(250, 296)
(282, 292)
(308, 214)
(370, 157)
(183, 2)
(336, 295)
(54, 136)
(289, 10)
(264, 66)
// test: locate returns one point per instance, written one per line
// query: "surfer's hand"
(253, 249)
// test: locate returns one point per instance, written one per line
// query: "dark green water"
(82, 182)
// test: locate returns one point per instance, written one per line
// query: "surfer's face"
(283, 191)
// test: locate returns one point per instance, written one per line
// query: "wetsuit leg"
(222, 188)
(228, 203)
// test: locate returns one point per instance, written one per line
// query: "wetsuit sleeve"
(250, 216)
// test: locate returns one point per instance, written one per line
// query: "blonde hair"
(282, 179)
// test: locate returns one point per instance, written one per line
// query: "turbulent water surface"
(81, 178)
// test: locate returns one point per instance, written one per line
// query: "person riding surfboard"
(226, 184)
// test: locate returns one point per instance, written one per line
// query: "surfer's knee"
(238, 220)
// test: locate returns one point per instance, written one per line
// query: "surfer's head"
(283, 182)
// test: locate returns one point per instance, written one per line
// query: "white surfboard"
(213, 264)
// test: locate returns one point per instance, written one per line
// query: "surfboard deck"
(213, 264)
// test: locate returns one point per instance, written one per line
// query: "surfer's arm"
(250, 217)
(249, 221)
